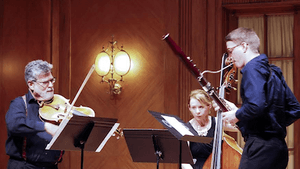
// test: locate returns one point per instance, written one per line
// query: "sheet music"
(182, 129)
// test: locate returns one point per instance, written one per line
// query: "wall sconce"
(118, 63)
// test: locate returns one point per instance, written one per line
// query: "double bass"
(228, 148)
(223, 156)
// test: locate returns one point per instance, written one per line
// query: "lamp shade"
(102, 63)
(122, 63)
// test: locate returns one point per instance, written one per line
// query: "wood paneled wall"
(70, 34)
(296, 89)
(25, 36)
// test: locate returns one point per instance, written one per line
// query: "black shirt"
(20, 125)
(201, 151)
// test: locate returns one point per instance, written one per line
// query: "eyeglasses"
(230, 50)
(46, 83)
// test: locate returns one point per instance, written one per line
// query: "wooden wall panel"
(296, 89)
(61, 53)
(185, 42)
(3, 157)
(25, 36)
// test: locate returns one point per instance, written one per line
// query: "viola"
(58, 108)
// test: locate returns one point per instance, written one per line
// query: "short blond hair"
(201, 96)
(246, 35)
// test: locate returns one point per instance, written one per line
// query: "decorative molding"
(185, 42)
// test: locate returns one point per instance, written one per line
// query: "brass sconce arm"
(106, 64)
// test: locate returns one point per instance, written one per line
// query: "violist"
(28, 135)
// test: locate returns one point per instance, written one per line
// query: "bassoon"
(197, 73)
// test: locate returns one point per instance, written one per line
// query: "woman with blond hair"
(200, 106)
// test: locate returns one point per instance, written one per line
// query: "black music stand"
(179, 128)
(83, 133)
(156, 145)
